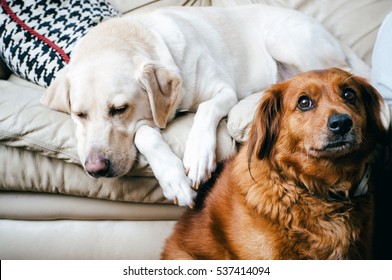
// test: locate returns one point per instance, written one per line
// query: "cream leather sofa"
(50, 209)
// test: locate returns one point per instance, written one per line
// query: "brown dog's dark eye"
(305, 103)
(349, 95)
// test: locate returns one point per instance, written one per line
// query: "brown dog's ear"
(56, 96)
(377, 110)
(265, 127)
(163, 88)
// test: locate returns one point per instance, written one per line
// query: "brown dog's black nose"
(340, 123)
(97, 166)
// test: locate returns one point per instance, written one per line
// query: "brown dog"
(298, 188)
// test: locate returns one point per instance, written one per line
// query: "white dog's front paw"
(178, 188)
(167, 167)
(199, 159)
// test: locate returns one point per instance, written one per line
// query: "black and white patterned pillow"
(37, 36)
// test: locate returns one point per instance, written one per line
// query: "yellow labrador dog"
(129, 76)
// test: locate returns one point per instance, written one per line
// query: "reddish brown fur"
(284, 196)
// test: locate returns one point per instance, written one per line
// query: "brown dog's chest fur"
(266, 217)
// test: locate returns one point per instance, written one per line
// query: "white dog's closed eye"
(163, 89)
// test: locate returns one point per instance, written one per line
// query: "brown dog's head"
(318, 124)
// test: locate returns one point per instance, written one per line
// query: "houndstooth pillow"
(37, 36)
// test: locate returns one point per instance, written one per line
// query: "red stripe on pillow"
(51, 44)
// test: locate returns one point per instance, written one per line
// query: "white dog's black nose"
(340, 123)
(97, 166)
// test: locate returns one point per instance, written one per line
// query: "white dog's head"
(109, 96)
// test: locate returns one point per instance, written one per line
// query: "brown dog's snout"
(340, 123)
(97, 165)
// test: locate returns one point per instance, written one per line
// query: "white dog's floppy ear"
(162, 87)
(56, 96)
